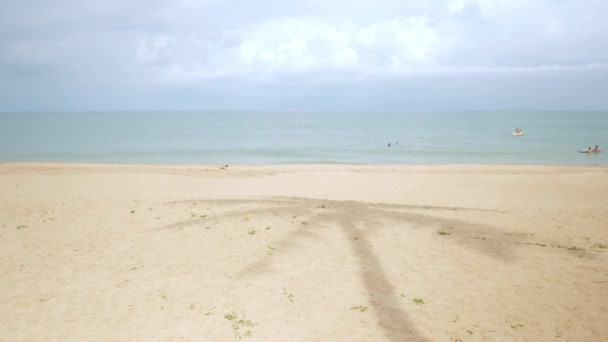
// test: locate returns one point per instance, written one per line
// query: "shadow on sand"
(357, 220)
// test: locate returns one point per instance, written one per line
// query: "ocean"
(415, 137)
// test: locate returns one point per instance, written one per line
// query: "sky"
(66, 55)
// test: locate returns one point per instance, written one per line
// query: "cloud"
(492, 8)
(198, 3)
(178, 73)
(37, 53)
(153, 50)
(400, 43)
(298, 45)
(157, 46)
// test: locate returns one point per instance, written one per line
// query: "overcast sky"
(303, 55)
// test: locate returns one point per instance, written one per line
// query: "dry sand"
(303, 253)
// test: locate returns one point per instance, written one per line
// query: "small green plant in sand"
(21, 226)
(322, 206)
(599, 245)
(210, 311)
(572, 248)
(192, 306)
(304, 222)
(360, 308)
(418, 301)
(251, 231)
(270, 250)
(241, 327)
(288, 295)
(517, 326)
(441, 232)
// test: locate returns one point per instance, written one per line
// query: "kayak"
(518, 133)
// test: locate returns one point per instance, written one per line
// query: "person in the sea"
(389, 144)
(596, 149)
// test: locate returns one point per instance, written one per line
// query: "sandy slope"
(303, 253)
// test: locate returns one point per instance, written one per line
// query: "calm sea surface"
(305, 137)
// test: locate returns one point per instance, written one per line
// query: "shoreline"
(306, 252)
(288, 165)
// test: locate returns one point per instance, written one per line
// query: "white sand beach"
(303, 253)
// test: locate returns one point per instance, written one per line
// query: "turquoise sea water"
(305, 137)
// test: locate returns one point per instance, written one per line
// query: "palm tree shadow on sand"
(356, 221)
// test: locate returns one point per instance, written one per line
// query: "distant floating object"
(591, 151)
